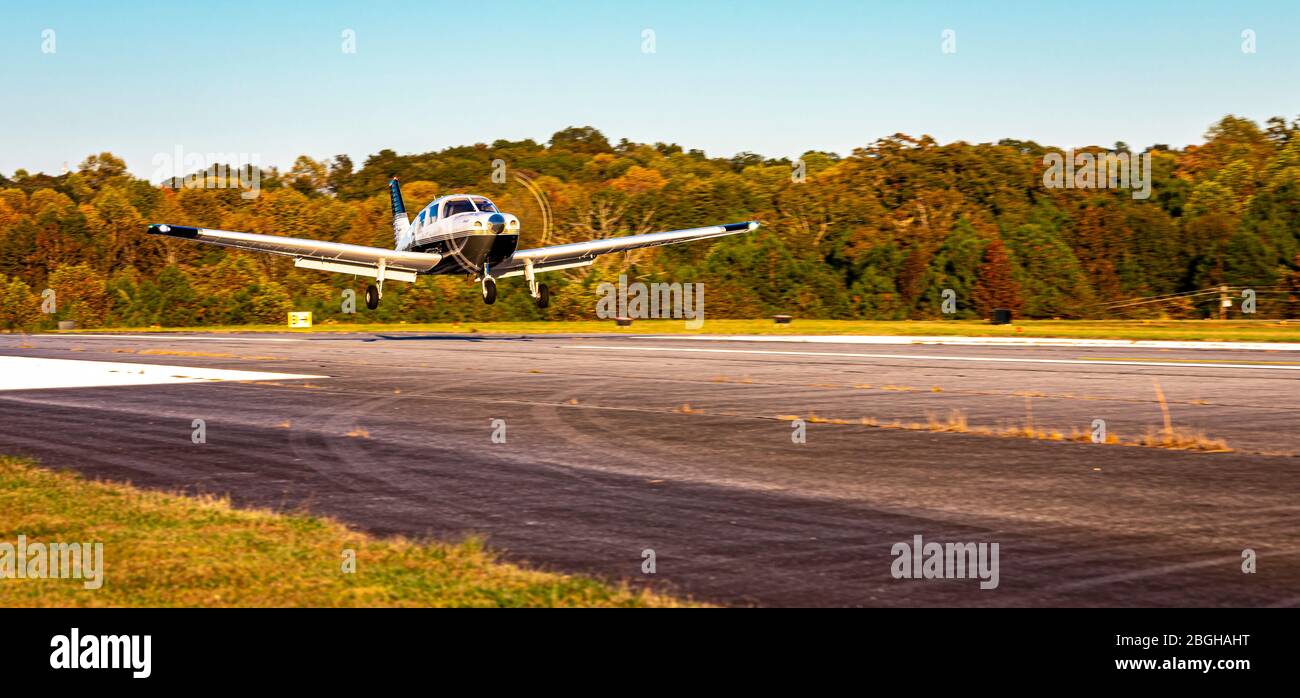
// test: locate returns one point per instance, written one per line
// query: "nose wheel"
(489, 290)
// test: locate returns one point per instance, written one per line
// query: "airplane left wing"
(576, 254)
(339, 257)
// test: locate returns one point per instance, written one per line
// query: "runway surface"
(615, 445)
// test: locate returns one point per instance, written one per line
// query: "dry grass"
(956, 422)
(170, 550)
(1181, 439)
(726, 379)
(170, 352)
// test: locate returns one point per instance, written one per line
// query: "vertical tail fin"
(401, 222)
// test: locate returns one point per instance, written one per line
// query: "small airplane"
(456, 234)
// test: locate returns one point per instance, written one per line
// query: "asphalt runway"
(617, 444)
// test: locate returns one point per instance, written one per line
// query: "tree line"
(889, 231)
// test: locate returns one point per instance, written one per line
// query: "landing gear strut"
(540, 293)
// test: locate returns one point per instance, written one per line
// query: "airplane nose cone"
(497, 223)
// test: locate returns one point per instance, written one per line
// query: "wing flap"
(371, 270)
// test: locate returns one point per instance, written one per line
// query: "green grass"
(1188, 330)
(170, 550)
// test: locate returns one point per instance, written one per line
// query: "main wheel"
(543, 296)
(489, 290)
(372, 297)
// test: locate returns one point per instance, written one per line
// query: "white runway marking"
(933, 357)
(167, 337)
(983, 341)
(24, 373)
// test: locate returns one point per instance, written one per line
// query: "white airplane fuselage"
(467, 230)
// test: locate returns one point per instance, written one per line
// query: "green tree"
(20, 309)
(1052, 281)
(308, 176)
(80, 292)
(99, 169)
(581, 139)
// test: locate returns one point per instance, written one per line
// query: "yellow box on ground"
(300, 319)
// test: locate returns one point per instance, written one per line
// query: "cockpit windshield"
(484, 205)
(457, 206)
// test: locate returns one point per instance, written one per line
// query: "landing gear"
(375, 291)
(489, 290)
(540, 293)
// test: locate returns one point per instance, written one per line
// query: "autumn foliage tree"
(1292, 288)
(995, 284)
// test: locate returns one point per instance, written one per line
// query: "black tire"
(543, 296)
(489, 291)
(372, 297)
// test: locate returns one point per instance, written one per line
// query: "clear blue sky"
(777, 78)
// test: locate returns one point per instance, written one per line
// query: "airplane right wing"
(576, 254)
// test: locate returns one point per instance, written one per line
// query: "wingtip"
(176, 231)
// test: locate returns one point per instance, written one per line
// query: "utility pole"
(1224, 302)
